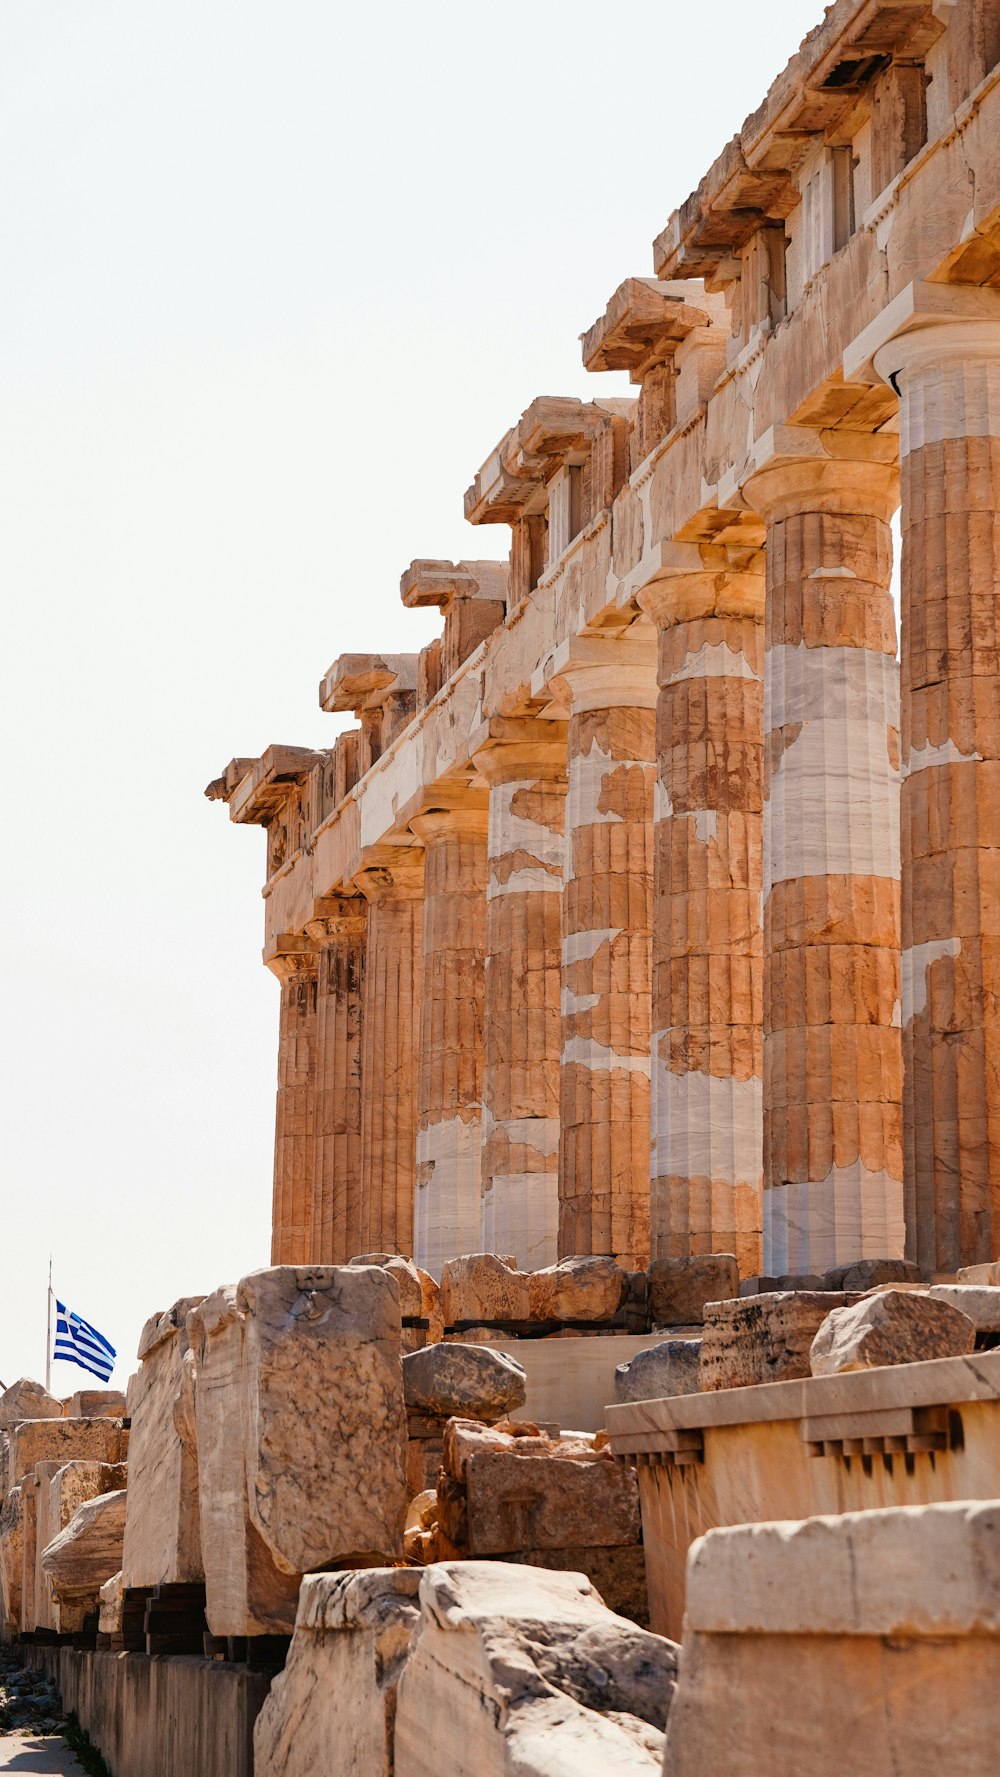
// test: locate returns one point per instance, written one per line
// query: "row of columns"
(673, 988)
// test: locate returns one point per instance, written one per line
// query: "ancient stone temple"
(651, 909)
(635, 1278)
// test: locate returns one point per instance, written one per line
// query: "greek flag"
(77, 1342)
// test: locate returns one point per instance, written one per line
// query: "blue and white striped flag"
(77, 1342)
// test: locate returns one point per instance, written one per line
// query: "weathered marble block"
(84, 1556)
(579, 1288)
(95, 1403)
(301, 1435)
(843, 1653)
(680, 1288)
(894, 1327)
(548, 1502)
(11, 1561)
(762, 1338)
(479, 1289)
(324, 1411)
(27, 1400)
(246, 1593)
(332, 1708)
(526, 1673)
(162, 1518)
(58, 1499)
(64, 1440)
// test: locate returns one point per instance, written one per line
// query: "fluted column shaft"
(606, 959)
(526, 774)
(833, 1187)
(450, 1070)
(295, 965)
(947, 376)
(339, 931)
(707, 1041)
(389, 1046)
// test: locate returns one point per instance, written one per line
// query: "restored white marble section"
(916, 962)
(808, 1226)
(833, 802)
(446, 1217)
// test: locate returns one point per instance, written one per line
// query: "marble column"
(338, 931)
(525, 770)
(947, 376)
(833, 1176)
(295, 965)
(390, 1032)
(447, 1204)
(606, 952)
(706, 1155)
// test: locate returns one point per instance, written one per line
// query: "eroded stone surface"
(895, 1327)
(527, 1672)
(762, 1338)
(480, 1288)
(332, 1708)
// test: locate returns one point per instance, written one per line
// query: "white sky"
(276, 279)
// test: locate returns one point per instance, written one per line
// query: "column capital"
(293, 958)
(704, 580)
(793, 469)
(604, 672)
(925, 322)
(523, 747)
(469, 822)
(337, 919)
(399, 877)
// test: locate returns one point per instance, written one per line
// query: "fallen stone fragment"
(680, 1288)
(896, 1327)
(548, 1502)
(332, 1708)
(582, 1288)
(481, 1290)
(470, 1381)
(526, 1673)
(60, 1493)
(88, 1551)
(27, 1400)
(762, 1338)
(660, 1371)
(467, 1437)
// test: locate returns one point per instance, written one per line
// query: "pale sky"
(277, 277)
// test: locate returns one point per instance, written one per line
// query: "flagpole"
(48, 1336)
